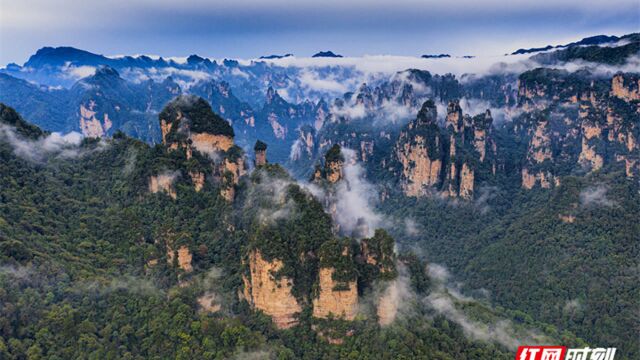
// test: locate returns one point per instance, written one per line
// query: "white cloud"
(595, 196)
(447, 300)
(55, 145)
(78, 72)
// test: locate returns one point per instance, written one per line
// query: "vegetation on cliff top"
(197, 112)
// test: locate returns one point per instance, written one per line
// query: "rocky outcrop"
(430, 158)
(539, 152)
(184, 257)
(334, 162)
(163, 183)
(198, 180)
(466, 181)
(544, 178)
(481, 140)
(626, 86)
(209, 143)
(336, 299)
(189, 124)
(90, 125)
(266, 291)
(260, 150)
(470, 142)
(209, 302)
(588, 155)
(419, 152)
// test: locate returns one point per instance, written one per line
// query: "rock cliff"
(419, 152)
(188, 124)
(336, 299)
(265, 290)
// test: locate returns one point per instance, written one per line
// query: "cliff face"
(626, 87)
(471, 147)
(334, 162)
(336, 299)
(572, 120)
(419, 152)
(266, 293)
(184, 257)
(591, 131)
(163, 183)
(189, 124)
(539, 154)
(424, 163)
(90, 125)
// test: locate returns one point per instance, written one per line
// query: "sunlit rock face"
(339, 300)
(184, 257)
(265, 292)
(626, 87)
(419, 152)
(333, 164)
(163, 183)
(188, 124)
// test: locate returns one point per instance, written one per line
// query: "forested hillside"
(96, 265)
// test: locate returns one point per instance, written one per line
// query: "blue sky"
(250, 28)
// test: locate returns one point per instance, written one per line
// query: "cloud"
(356, 197)
(130, 161)
(395, 297)
(350, 111)
(183, 77)
(77, 72)
(296, 150)
(485, 194)
(411, 227)
(18, 272)
(55, 145)
(379, 65)
(595, 196)
(129, 284)
(351, 199)
(311, 79)
(271, 196)
(446, 300)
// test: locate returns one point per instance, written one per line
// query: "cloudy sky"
(250, 28)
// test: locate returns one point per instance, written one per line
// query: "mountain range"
(320, 211)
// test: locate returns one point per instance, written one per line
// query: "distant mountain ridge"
(592, 40)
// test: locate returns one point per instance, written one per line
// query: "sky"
(250, 28)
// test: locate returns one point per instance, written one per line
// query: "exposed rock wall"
(163, 182)
(198, 179)
(626, 87)
(589, 156)
(466, 181)
(90, 125)
(539, 151)
(209, 143)
(335, 298)
(268, 294)
(419, 153)
(184, 258)
(418, 170)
